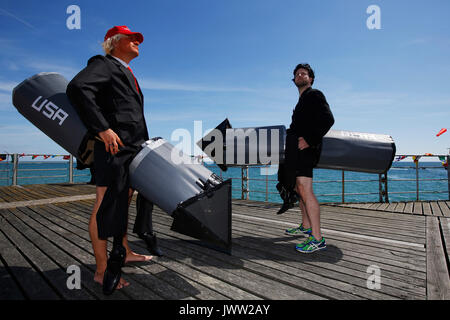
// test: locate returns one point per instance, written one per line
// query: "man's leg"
(305, 219)
(305, 190)
(100, 245)
(132, 256)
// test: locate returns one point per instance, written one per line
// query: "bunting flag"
(46, 157)
(443, 130)
(400, 158)
(3, 157)
(34, 157)
(428, 154)
(442, 158)
(21, 155)
(445, 164)
(66, 157)
(416, 159)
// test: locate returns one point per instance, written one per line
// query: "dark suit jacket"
(105, 96)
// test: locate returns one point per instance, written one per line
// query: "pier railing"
(14, 174)
(381, 192)
(11, 173)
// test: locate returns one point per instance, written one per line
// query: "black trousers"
(143, 223)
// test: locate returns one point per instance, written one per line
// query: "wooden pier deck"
(43, 231)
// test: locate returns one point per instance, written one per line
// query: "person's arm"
(83, 92)
(322, 120)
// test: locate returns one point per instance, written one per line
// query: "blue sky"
(214, 59)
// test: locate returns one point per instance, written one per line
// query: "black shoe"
(152, 244)
(285, 207)
(114, 269)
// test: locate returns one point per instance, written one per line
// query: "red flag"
(443, 130)
(46, 157)
(66, 157)
(34, 157)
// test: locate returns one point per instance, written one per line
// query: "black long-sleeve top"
(312, 117)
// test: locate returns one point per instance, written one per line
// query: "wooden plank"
(372, 230)
(64, 252)
(54, 274)
(328, 267)
(228, 256)
(374, 206)
(383, 206)
(142, 284)
(409, 207)
(415, 252)
(436, 209)
(342, 213)
(445, 227)
(28, 278)
(240, 278)
(391, 207)
(350, 216)
(427, 209)
(10, 289)
(444, 208)
(347, 271)
(180, 270)
(438, 281)
(8, 194)
(417, 208)
(399, 261)
(400, 207)
(266, 234)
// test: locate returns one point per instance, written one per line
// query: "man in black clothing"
(311, 120)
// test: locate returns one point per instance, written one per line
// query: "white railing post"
(71, 169)
(15, 168)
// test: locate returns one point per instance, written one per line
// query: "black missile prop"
(342, 150)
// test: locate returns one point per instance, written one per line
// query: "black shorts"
(307, 159)
(102, 168)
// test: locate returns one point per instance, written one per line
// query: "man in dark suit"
(311, 120)
(110, 103)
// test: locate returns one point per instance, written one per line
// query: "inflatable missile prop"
(342, 150)
(197, 199)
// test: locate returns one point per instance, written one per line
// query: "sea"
(358, 187)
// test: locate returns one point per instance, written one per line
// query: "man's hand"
(111, 140)
(302, 144)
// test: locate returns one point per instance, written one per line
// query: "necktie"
(135, 81)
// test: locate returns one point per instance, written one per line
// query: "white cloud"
(42, 66)
(26, 139)
(7, 85)
(153, 84)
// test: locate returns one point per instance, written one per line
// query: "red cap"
(122, 30)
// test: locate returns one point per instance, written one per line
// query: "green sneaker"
(298, 231)
(311, 245)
